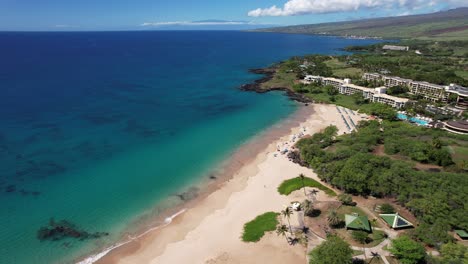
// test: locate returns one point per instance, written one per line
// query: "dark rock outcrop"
(268, 73)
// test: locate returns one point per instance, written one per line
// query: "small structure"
(357, 222)
(462, 234)
(396, 221)
(395, 47)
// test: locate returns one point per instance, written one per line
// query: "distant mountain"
(211, 24)
(451, 24)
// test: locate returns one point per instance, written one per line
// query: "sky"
(70, 15)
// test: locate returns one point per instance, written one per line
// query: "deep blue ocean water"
(98, 127)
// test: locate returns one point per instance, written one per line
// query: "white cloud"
(302, 7)
(196, 23)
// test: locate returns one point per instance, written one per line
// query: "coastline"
(213, 208)
(205, 186)
(268, 73)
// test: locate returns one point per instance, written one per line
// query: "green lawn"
(357, 252)
(255, 229)
(342, 70)
(294, 184)
(341, 100)
(377, 237)
(463, 74)
(459, 153)
(282, 78)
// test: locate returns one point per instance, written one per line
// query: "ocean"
(99, 128)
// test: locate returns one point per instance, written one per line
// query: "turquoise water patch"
(99, 127)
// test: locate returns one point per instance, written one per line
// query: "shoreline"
(218, 176)
(268, 73)
(202, 212)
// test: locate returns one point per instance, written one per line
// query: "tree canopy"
(333, 251)
(407, 251)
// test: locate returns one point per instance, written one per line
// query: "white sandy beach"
(210, 231)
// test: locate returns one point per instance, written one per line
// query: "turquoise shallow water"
(97, 128)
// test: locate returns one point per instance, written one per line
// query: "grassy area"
(282, 78)
(463, 74)
(377, 237)
(441, 25)
(357, 252)
(459, 153)
(340, 99)
(294, 184)
(342, 70)
(255, 229)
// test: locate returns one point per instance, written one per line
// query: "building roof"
(395, 220)
(462, 234)
(459, 125)
(357, 222)
(394, 98)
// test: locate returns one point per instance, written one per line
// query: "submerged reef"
(62, 229)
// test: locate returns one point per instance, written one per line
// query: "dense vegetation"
(291, 185)
(351, 163)
(408, 251)
(333, 251)
(255, 229)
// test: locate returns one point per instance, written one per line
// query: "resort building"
(375, 95)
(396, 221)
(457, 127)
(356, 222)
(393, 101)
(462, 95)
(429, 91)
(394, 47)
(391, 81)
(372, 77)
(312, 78)
(334, 82)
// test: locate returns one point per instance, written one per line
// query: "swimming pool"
(412, 119)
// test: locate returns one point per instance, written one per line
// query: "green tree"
(302, 176)
(287, 212)
(407, 250)
(386, 208)
(282, 230)
(333, 218)
(331, 90)
(454, 253)
(345, 199)
(434, 234)
(360, 236)
(333, 251)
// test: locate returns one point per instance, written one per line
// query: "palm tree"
(287, 212)
(374, 255)
(302, 176)
(282, 230)
(333, 218)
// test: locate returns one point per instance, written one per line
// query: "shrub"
(387, 209)
(346, 199)
(360, 236)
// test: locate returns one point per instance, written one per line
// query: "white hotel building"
(430, 91)
(376, 95)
